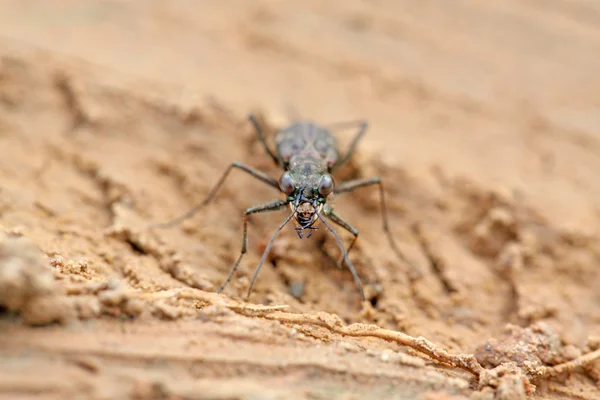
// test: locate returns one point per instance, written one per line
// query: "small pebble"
(297, 289)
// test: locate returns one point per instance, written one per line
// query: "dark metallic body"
(308, 154)
(306, 148)
(307, 151)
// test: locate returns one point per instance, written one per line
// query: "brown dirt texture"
(484, 127)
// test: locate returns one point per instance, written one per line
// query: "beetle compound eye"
(326, 185)
(286, 184)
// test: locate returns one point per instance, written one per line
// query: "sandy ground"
(484, 126)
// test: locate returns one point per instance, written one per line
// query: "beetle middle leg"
(261, 176)
(354, 184)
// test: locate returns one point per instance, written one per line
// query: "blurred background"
(506, 90)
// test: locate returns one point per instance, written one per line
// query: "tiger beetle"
(308, 154)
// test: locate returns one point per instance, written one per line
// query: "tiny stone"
(297, 289)
(386, 355)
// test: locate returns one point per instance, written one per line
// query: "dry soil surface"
(484, 126)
